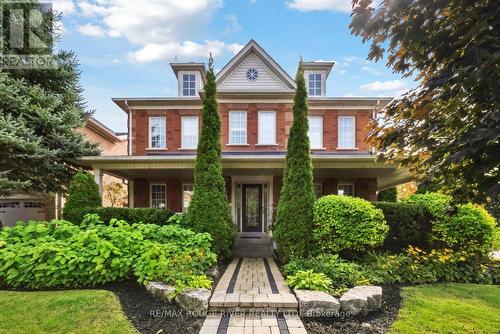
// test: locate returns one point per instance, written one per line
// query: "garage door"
(12, 211)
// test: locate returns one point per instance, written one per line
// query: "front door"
(252, 207)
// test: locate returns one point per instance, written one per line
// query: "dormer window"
(188, 84)
(314, 84)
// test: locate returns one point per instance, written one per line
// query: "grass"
(449, 309)
(70, 311)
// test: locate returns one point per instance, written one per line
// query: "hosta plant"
(309, 280)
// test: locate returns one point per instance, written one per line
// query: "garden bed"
(377, 322)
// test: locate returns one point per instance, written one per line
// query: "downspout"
(129, 128)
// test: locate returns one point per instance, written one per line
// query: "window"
(34, 205)
(157, 132)
(187, 194)
(189, 130)
(159, 196)
(188, 84)
(252, 74)
(315, 84)
(347, 132)
(318, 190)
(267, 127)
(9, 205)
(315, 131)
(238, 127)
(346, 189)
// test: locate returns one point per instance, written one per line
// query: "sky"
(124, 46)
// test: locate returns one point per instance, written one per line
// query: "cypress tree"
(83, 193)
(209, 209)
(292, 231)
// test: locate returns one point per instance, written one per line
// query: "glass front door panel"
(252, 208)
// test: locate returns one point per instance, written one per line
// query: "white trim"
(151, 194)
(197, 80)
(346, 184)
(271, 101)
(353, 117)
(232, 112)
(259, 132)
(150, 138)
(182, 193)
(183, 145)
(323, 82)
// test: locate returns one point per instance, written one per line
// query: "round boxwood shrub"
(471, 229)
(347, 223)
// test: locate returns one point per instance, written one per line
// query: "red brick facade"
(140, 127)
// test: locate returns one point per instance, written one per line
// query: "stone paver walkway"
(252, 297)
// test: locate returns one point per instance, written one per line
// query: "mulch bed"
(374, 323)
(153, 316)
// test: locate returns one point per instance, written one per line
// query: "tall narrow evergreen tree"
(292, 231)
(209, 209)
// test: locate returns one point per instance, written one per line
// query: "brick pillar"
(141, 193)
(330, 187)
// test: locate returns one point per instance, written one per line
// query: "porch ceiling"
(181, 167)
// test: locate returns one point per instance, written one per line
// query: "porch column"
(98, 179)
(130, 193)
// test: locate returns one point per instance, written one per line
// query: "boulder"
(361, 299)
(161, 290)
(194, 299)
(316, 304)
(213, 272)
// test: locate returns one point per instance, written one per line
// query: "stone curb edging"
(359, 300)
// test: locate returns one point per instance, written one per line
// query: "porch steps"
(253, 247)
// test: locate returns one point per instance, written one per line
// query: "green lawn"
(71, 311)
(449, 309)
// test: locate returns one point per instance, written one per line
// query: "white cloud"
(64, 6)
(160, 29)
(235, 47)
(389, 85)
(371, 70)
(310, 5)
(91, 30)
(233, 24)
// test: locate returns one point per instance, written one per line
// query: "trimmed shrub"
(209, 209)
(409, 224)
(83, 193)
(388, 195)
(437, 204)
(292, 230)
(471, 229)
(347, 223)
(58, 254)
(130, 215)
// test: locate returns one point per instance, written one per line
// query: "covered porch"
(253, 182)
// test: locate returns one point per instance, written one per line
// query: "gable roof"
(262, 55)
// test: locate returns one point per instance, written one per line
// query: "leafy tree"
(83, 193)
(388, 195)
(292, 231)
(446, 130)
(39, 112)
(209, 209)
(115, 194)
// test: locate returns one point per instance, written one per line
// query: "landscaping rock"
(316, 304)
(194, 299)
(161, 290)
(361, 299)
(213, 272)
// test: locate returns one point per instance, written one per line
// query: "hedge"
(409, 224)
(130, 215)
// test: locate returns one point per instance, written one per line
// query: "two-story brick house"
(255, 97)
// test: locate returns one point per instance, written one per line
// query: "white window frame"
(314, 88)
(346, 184)
(184, 207)
(321, 145)
(230, 121)
(340, 142)
(163, 136)
(189, 88)
(183, 132)
(151, 195)
(261, 133)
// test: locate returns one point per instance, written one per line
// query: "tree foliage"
(292, 231)
(83, 193)
(115, 194)
(39, 112)
(388, 195)
(446, 130)
(209, 209)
